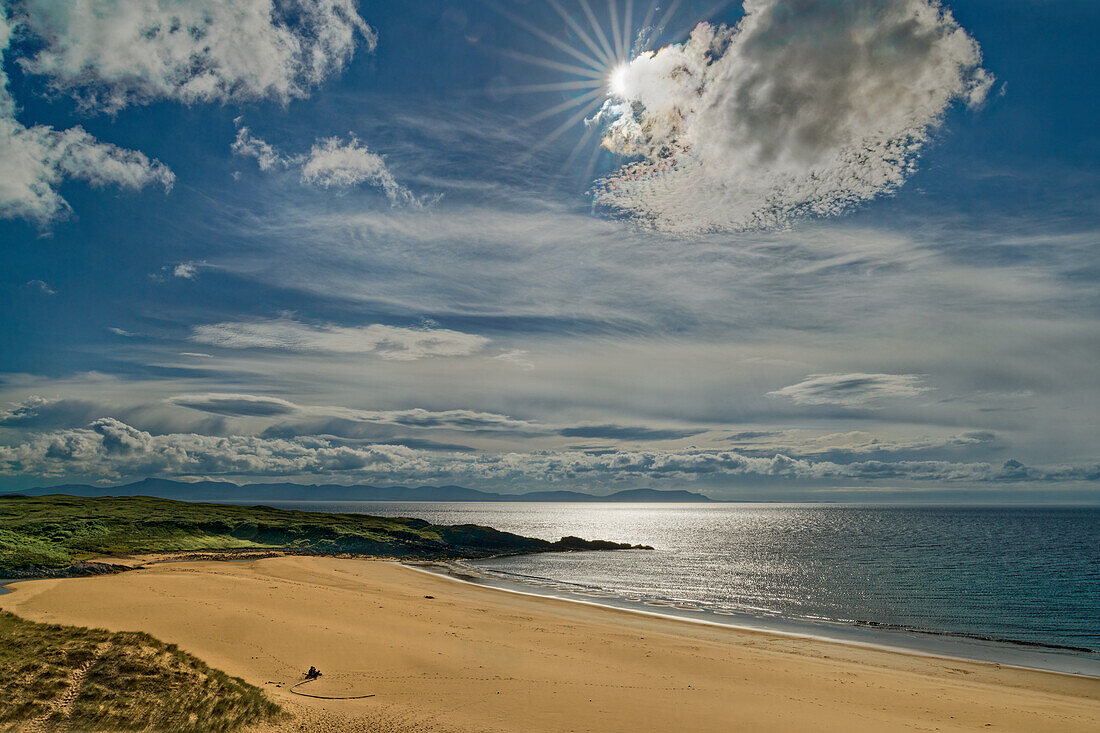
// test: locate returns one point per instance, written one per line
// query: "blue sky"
(811, 250)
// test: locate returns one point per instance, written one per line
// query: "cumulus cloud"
(36, 160)
(388, 342)
(853, 443)
(852, 390)
(267, 157)
(24, 410)
(109, 448)
(330, 163)
(333, 163)
(113, 53)
(38, 412)
(181, 270)
(186, 270)
(804, 108)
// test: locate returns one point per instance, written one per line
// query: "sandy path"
(474, 659)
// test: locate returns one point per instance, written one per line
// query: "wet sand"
(476, 659)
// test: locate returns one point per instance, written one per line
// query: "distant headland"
(228, 491)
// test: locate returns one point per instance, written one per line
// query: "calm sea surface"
(1024, 582)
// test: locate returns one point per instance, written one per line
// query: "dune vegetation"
(69, 678)
(53, 534)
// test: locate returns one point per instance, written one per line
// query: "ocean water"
(1015, 585)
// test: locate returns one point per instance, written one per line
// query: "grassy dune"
(68, 678)
(54, 532)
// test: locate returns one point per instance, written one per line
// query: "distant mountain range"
(226, 491)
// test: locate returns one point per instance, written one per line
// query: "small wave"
(761, 612)
(976, 637)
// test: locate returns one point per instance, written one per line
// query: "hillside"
(54, 534)
(227, 491)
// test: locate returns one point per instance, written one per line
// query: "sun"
(594, 53)
(617, 81)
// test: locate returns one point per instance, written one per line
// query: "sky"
(785, 250)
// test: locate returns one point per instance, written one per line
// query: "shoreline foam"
(940, 645)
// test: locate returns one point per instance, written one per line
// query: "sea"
(1010, 585)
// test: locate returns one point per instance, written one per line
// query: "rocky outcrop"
(76, 570)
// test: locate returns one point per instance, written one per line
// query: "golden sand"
(476, 659)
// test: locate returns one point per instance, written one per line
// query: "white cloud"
(465, 420)
(519, 357)
(236, 405)
(388, 342)
(186, 270)
(247, 405)
(334, 163)
(23, 409)
(183, 270)
(109, 448)
(114, 53)
(805, 108)
(804, 443)
(330, 163)
(41, 286)
(852, 390)
(35, 160)
(250, 146)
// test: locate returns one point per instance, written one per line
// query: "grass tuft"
(133, 682)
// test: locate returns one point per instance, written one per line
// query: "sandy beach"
(440, 655)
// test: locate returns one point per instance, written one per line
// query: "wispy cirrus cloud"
(852, 390)
(804, 108)
(41, 286)
(388, 342)
(248, 405)
(630, 433)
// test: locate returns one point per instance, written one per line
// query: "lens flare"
(595, 53)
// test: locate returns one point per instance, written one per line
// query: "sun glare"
(616, 81)
(594, 53)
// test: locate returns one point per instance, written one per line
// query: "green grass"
(56, 531)
(134, 682)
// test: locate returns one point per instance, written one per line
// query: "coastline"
(443, 655)
(942, 645)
